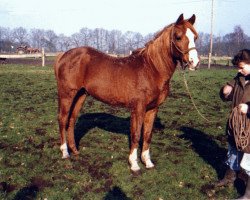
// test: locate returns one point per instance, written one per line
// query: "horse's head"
(183, 36)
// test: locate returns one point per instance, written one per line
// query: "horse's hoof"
(65, 157)
(136, 173)
(75, 153)
(150, 168)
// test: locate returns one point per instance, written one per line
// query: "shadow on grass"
(30, 192)
(206, 147)
(106, 122)
(116, 194)
(27, 193)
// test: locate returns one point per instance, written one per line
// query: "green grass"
(187, 150)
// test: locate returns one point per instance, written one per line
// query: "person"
(237, 91)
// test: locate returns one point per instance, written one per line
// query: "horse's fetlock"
(64, 150)
(145, 157)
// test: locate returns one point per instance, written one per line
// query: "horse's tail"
(56, 63)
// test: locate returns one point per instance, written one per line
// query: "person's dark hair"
(242, 56)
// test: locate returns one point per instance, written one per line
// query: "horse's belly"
(122, 93)
(108, 96)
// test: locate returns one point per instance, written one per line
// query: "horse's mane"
(159, 33)
(140, 51)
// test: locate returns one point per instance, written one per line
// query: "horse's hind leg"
(69, 107)
(63, 110)
(76, 107)
(147, 136)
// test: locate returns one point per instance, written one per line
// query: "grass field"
(187, 150)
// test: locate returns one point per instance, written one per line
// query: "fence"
(222, 60)
(42, 55)
(217, 60)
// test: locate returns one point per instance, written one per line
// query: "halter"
(173, 43)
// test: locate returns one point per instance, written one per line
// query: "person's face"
(244, 68)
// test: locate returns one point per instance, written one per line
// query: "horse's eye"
(178, 38)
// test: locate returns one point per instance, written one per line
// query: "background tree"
(63, 43)
(6, 42)
(138, 40)
(36, 38)
(99, 36)
(114, 41)
(85, 36)
(129, 38)
(76, 39)
(202, 43)
(20, 35)
(218, 46)
(49, 40)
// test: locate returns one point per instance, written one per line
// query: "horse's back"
(87, 60)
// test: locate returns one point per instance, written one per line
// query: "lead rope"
(192, 100)
(240, 125)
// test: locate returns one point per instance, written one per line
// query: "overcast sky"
(143, 16)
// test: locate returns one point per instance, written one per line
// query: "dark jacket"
(239, 94)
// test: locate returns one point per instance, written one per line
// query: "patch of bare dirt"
(24, 61)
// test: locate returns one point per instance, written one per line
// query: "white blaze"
(193, 55)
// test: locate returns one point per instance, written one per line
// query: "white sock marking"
(133, 161)
(64, 150)
(146, 159)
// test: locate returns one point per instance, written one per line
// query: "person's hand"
(227, 90)
(243, 108)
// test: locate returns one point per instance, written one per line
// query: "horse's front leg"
(137, 117)
(147, 136)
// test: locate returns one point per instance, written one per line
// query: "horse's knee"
(135, 139)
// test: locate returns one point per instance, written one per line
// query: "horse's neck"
(160, 58)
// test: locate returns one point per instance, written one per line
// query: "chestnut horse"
(139, 82)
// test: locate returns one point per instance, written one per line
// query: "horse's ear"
(180, 19)
(192, 19)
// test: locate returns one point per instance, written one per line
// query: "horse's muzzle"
(193, 65)
(193, 68)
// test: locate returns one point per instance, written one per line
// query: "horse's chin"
(191, 68)
(188, 65)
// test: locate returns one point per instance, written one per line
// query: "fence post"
(43, 57)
